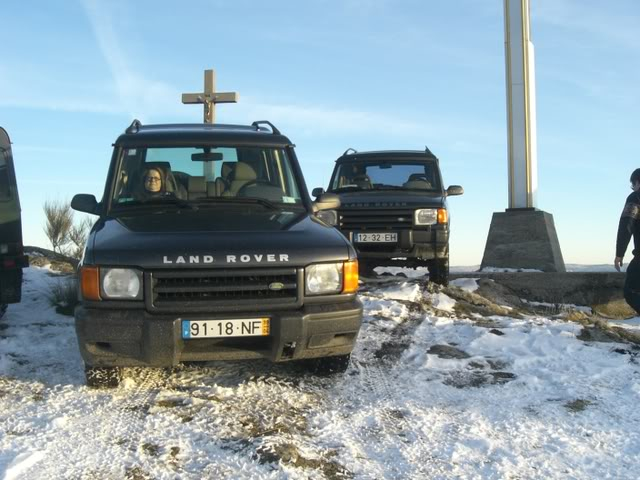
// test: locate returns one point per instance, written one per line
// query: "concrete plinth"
(524, 238)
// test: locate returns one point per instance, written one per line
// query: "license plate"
(376, 237)
(238, 327)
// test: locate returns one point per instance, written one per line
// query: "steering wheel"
(254, 183)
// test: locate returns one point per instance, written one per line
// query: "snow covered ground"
(434, 391)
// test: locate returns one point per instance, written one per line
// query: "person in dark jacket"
(628, 227)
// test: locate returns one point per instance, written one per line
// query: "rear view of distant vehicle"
(12, 258)
(393, 209)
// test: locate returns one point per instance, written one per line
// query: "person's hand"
(617, 263)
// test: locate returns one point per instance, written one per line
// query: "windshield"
(193, 176)
(386, 175)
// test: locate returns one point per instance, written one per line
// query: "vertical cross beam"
(209, 97)
(521, 105)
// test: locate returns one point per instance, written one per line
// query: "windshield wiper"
(241, 200)
(158, 201)
(347, 188)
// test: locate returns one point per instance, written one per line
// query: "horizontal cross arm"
(192, 98)
(226, 97)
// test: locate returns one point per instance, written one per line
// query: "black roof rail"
(257, 124)
(134, 127)
(346, 152)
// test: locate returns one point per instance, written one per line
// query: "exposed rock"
(448, 352)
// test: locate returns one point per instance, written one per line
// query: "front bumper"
(412, 244)
(133, 337)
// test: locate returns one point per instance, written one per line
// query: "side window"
(5, 187)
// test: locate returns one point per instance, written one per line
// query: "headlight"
(425, 216)
(323, 278)
(327, 278)
(122, 283)
(330, 217)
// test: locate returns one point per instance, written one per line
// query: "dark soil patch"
(137, 473)
(448, 352)
(578, 405)
(392, 350)
(476, 379)
(289, 454)
(151, 449)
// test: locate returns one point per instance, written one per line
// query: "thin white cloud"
(137, 95)
(606, 21)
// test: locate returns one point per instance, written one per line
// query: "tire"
(102, 377)
(439, 271)
(365, 269)
(329, 365)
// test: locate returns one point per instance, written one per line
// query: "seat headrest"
(226, 169)
(244, 172)
(197, 184)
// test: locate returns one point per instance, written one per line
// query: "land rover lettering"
(191, 259)
(258, 258)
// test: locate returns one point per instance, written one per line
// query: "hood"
(390, 199)
(216, 239)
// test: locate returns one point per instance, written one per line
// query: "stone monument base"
(523, 238)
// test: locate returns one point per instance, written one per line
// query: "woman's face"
(152, 181)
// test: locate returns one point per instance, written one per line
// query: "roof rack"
(257, 124)
(352, 150)
(134, 127)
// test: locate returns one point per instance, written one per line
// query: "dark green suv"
(393, 209)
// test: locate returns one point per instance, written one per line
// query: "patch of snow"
(21, 463)
(629, 323)
(510, 270)
(442, 301)
(408, 272)
(560, 306)
(467, 284)
(404, 291)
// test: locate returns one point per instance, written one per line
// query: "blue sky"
(367, 74)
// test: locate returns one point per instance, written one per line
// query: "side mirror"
(317, 192)
(83, 202)
(326, 201)
(455, 190)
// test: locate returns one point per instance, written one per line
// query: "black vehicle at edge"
(394, 209)
(12, 258)
(207, 271)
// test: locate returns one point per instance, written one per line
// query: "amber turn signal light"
(90, 283)
(443, 217)
(350, 277)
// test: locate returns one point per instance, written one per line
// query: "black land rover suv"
(207, 248)
(393, 209)
(12, 258)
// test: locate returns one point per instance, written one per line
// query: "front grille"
(210, 288)
(376, 219)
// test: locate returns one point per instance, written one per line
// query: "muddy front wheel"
(439, 271)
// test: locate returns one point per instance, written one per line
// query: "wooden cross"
(210, 97)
